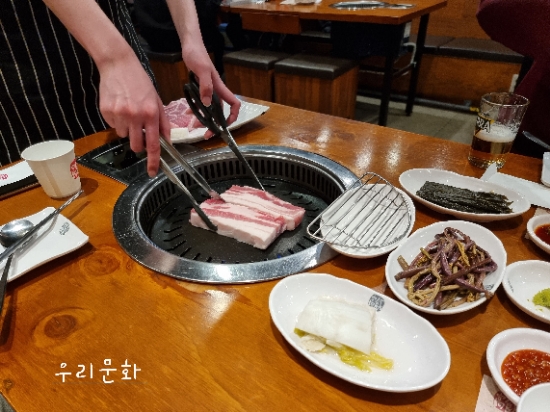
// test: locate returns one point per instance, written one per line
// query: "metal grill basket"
(370, 214)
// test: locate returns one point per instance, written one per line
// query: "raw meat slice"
(265, 202)
(241, 223)
(180, 115)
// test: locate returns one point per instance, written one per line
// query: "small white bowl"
(509, 341)
(535, 399)
(522, 281)
(535, 222)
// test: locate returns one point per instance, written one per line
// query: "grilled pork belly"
(241, 223)
(265, 202)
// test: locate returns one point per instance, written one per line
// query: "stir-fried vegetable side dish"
(447, 272)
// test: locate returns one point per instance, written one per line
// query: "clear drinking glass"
(497, 124)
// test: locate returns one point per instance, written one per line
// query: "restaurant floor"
(445, 124)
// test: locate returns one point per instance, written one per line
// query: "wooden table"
(214, 348)
(271, 16)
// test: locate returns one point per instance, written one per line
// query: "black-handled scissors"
(213, 118)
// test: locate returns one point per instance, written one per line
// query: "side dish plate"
(420, 354)
(412, 180)
(509, 341)
(248, 112)
(522, 281)
(409, 249)
(57, 239)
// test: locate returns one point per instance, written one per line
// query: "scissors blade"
(213, 118)
(228, 139)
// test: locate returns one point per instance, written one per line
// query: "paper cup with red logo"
(54, 164)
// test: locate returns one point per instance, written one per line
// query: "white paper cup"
(54, 164)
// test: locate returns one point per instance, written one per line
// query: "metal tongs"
(213, 118)
(173, 152)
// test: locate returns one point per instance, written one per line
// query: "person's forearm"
(184, 16)
(92, 29)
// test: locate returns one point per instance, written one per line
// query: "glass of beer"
(497, 124)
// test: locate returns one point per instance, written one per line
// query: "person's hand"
(129, 103)
(197, 60)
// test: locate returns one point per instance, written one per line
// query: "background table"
(214, 348)
(271, 16)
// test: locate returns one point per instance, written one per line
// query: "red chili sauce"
(543, 232)
(522, 369)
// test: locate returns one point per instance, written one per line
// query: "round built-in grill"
(151, 217)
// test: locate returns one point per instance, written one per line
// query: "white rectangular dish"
(58, 238)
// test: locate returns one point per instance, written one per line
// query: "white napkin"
(535, 193)
(491, 399)
(15, 173)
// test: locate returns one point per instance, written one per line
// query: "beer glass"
(497, 124)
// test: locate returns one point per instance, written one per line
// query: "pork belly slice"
(180, 115)
(265, 202)
(244, 224)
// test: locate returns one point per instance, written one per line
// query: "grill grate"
(172, 232)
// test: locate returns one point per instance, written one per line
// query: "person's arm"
(128, 99)
(196, 58)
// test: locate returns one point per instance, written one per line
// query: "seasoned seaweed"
(464, 200)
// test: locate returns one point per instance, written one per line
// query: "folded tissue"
(16, 178)
(535, 193)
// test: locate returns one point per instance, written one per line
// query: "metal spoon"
(9, 234)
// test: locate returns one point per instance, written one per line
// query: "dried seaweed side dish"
(448, 272)
(464, 200)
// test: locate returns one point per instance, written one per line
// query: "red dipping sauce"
(524, 368)
(543, 232)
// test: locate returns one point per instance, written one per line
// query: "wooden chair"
(249, 72)
(318, 83)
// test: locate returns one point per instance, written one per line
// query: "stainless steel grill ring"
(150, 219)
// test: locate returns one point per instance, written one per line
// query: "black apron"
(49, 85)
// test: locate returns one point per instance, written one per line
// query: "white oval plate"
(524, 279)
(52, 241)
(248, 112)
(420, 354)
(508, 341)
(413, 179)
(532, 224)
(363, 253)
(482, 236)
